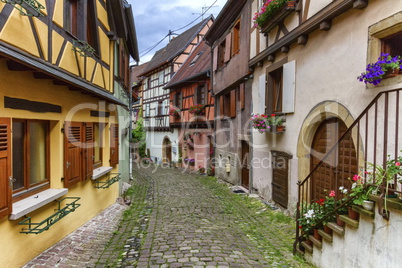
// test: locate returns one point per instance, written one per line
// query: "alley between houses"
(178, 219)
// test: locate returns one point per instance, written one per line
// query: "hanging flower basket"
(259, 122)
(174, 112)
(273, 12)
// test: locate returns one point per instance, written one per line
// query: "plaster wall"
(154, 141)
(326, 71)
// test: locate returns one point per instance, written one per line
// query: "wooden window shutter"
(233, 103)
(5, 167)
(215, 59)
(89, 157)
(228, 47)
(289, 87)
(114, 144)
(242, 96)
(72, 153)
(221, 104)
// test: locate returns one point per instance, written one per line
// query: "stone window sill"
(100, 171)
(34, 202)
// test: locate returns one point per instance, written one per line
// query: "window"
(236, 39)
(30, 156)
(123, 68)
(161, 77)
(160, 108)
(114, 144)
(392, 44)
(275, 91)
(147, 110)
(71, 16)
(177, 101)
(98, 144)
(200, 95)
(82, 25)
(227, 104)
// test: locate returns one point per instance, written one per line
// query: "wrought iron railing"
(39, 227)
(370, 141)
(112, 178)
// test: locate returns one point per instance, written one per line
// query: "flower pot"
(316, 234)
(353, 214)
(368, 205)
(327, 229)
(339, 221)
(280, 129)
(391, 73)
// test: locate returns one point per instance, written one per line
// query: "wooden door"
(5, 167)
(245, 169)
(280, 177)
(339, 165)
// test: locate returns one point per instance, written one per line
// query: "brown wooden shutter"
(242, 96)
(88, 155)
(215, 59)
(228, 47)
(114, 144)
(72, 153)
(5, 167)
(221, 108)
(233, 103)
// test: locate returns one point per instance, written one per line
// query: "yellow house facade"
(60, 62)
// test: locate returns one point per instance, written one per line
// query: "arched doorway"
(341, 163)
(167, 151)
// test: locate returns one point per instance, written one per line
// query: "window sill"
(35, 202)
(101, 171)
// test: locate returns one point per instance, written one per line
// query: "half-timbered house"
(306, 57)
(231, 85)
(192, 110)
(64, 66)
(156, 100)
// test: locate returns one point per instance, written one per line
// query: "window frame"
(236, 38)
(29, 189)
(274, 91)
(100, 127)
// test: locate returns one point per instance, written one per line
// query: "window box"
(34, 202)
(101, 171)
(275, 12)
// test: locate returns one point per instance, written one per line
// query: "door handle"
(68, 164)
(12, 180)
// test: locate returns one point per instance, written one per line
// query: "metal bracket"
(26, 7)
(112, 178)
(83, 48)
(37, 228)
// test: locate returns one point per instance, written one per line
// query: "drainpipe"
(251, 154)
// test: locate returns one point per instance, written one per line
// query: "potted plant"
(191, 161)
(201, 170)
(198, 109)
(174, 112)
(272, 12)
(276, 123)
(259, 122)
(377, 71)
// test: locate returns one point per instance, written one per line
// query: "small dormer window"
(196, 58)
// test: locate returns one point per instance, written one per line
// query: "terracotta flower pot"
(339, 221)
(327, 229)
(353, 214)
(317, 235)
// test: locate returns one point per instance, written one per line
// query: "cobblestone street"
(179, 220)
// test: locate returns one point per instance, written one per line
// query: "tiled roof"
(136, 72)
(197, 64)
(176, 46)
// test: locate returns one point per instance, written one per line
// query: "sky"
(154, 19)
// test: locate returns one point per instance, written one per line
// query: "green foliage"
(138, 134)
(142, 150)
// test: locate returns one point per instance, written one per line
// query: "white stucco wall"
(154, 141)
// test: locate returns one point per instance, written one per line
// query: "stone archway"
(310, 132)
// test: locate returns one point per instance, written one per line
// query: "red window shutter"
(242, 96)
(233, 103)
(228, 47)
(215, 59)
(114, 144)
(5, 167)
(72, 153)
(88, 159)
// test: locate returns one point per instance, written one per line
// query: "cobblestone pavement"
(180, 220)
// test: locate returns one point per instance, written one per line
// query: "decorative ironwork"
(112, 178)
(26, 7)
(83, 48)
(37, 228)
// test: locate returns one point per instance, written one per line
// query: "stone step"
(336, 228)
(325, 235)
(307, 246)
(315, 241)
(349, 221)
